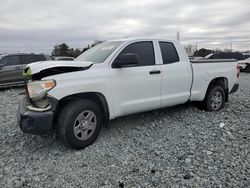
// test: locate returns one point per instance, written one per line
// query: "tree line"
(64, 50)
(203, 52)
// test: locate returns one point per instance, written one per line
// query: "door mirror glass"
(126, 60)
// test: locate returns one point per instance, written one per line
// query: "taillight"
(238, 70)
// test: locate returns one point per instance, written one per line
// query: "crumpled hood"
(37, 67)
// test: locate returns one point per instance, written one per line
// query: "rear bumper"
(235, 88)
(33, 122)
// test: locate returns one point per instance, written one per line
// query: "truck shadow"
(152, 116)
(50, 144)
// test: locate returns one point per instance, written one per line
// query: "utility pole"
(178, 35)
(231, 47)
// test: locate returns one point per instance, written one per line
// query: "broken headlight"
(38, 89)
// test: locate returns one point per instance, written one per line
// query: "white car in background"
(63, 58)
(244, 65)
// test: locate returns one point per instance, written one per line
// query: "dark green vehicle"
(11, 67)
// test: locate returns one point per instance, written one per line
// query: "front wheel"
(79, 123)
(215, 98)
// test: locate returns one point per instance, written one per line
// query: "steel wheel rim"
(85, 125)
(216, 100)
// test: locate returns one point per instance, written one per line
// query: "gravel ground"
(175, 147)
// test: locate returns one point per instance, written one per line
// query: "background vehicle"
(245, 65)
(195, 58)
(117, 78)
(11, 67)
(63, 58)
(243, 60)
(226, 55)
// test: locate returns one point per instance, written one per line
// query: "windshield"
(209, 55)
(1, 57)
(100, 52)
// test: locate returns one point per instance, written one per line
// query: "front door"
(137, 88)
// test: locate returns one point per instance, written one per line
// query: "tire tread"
(65, 118)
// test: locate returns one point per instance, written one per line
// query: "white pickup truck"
(117, 78)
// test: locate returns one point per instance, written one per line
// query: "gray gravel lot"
(175, 147)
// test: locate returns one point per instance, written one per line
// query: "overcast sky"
(37, 25)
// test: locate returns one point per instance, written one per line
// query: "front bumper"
(235, 88)
(34, 122)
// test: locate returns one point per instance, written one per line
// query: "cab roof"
(142, 38)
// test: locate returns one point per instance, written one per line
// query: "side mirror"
(1, 66)
(126, 60)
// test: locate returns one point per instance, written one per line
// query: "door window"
(10, 60)
(168, 52)
(39, 58)
(26, 59)
(144, 52)
(47, 57)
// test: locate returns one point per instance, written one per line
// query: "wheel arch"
(96, 97)
(221, 81)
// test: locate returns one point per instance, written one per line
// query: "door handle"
(155, 72)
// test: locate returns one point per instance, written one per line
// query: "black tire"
(212, 91)
(68, 118)
(247, 69)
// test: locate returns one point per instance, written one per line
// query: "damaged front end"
(37, 88)
(35, 113)
(37, 94)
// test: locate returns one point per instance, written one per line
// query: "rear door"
(11, 72)
(137, 88)
(176, 75)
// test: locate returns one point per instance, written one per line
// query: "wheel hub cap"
(216, 100)
(85, 125)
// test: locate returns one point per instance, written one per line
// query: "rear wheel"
(215, 98)
(79, 123)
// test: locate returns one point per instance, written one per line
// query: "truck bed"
(205, 70)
